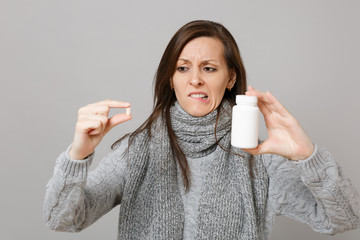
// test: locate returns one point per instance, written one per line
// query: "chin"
(198, 112)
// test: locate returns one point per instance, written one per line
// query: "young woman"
(178, 177)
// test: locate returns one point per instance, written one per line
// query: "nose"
(196, 79)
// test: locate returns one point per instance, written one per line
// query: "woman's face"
(202, 76)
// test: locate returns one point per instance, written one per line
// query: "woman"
(177, 176)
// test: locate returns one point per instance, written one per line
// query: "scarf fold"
(195, 135)
(232, 204)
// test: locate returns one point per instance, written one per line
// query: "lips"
(201, 96)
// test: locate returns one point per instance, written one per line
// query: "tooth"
(198, 95)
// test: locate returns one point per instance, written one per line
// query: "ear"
(232, 80)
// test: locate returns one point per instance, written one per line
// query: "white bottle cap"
(246, 99)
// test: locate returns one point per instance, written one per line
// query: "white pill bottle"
(245, 122)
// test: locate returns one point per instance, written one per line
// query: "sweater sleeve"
(313, 191)
(76, 198)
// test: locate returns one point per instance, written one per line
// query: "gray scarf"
(232, 203)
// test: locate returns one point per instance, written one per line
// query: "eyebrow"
(205, 61)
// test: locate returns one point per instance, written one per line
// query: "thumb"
(116, 120)
(255, 151)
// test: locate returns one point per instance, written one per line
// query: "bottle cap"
(246, 99)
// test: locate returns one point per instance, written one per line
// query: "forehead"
(203, 47)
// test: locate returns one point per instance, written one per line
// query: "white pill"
(128, 111)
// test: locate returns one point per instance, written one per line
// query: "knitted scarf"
(232, 203)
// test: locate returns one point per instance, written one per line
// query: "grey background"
(56, 56)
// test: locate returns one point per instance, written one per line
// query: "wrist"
(75, 156)
(304, 153)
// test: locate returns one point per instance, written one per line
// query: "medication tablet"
(128, 111)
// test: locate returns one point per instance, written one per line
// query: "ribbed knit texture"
(224, 203)
(152, 206)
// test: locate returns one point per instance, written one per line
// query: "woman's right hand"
(92, 125)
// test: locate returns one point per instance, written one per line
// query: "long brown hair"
(164, 96)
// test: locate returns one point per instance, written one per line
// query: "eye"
(209, 69)
(182, 69)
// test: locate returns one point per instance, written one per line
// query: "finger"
(268, 103)
(276, 105)
(113, 103)
(251, 88)
(262, 101)
(91, 126)
(85, 117)
(92, 109)
(259, 94)
(102, 108)
(95, 131)
(260, 149)
(264, 109)
(253, 92)
(253, 151)
(117, 119)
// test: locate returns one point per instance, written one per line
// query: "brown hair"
(164, 96)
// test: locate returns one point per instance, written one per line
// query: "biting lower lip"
(199, 96)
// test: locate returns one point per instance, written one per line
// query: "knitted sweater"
(312, 191)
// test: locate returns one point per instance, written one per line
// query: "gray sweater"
(312, 191)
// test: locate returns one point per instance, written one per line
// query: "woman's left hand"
(286, 137)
